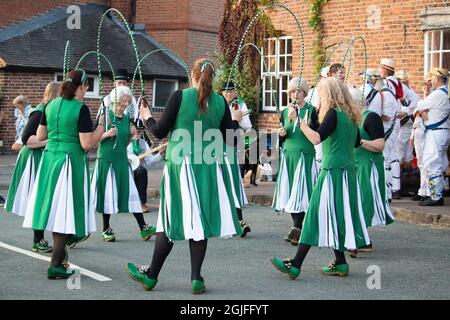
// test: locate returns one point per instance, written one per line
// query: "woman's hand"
(292, 114)
(144, 110)
(385, 117)
(236, 115)
(110, 133)
(282, 132)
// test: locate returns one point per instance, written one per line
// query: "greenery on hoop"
(315, 22)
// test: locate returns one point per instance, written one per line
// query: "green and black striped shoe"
(147, 232)
(334, 269)
(108, 235)
(41, 246)
(76, 240)
(140, 275)
(60, 272)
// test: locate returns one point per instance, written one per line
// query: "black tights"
(38, 235)
(239, 214)
(138, 215)
(162, 249)
(298, 219)
(59, 248)
(303, 250)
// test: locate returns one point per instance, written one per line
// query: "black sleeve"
(328, 124)
(228, 123)
(358, 139)
(314, 120)
(162, 128)
(374, 126)
(43, 119)
(32, 126)
(281, 139)
(84, 120)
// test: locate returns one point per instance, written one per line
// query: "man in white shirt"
(121, 79)
(138, 146)
(435, 110)
(418, 141)
(374, 100)
(390, 110)
(404, 148)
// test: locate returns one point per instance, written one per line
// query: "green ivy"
(315, 22)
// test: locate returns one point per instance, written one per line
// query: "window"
(93, 90)
(162, 89)
(437, 49)
(277, 56)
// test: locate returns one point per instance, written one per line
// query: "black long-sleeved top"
(161, 128)
(32, 126)
(373, 125)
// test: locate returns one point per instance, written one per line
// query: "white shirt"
(245, 122)
(312, 98)
(390, 107)
(148, 161)
(438, 105)
(376, 105)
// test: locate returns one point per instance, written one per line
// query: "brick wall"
(18, 10)
(187, 27)
(397, 37)
(32, 85)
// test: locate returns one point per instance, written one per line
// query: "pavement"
(410, 260)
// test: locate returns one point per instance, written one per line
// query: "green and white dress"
(59, 201)
(335, 216)
(371, 176)
(298, 172)
(233, 174)
(113, 189)
(24, 175)
(196, 191)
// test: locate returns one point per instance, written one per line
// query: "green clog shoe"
(140, 275)
(41, 246)
(108, 235)
(198, 286)
(340, 270)
(76, 240)
(60, 272)
(286, 266)
(147, 232)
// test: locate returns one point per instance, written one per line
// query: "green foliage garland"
(315, 22)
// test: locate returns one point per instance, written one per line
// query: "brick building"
(415, 33)
(189, 27)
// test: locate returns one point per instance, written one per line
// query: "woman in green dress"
(113, 188)
(59, 201)
(369, 162)
(196, 200)
(27, 164)
(335, 216)
(298, 172)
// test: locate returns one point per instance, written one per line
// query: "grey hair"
(293, 84)
(357, 96)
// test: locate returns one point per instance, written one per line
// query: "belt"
(439, 129)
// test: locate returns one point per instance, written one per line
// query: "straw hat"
(388, 64)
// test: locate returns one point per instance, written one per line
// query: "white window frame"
(428, 53)
(177, 84)
(266, 74)
(89, 94)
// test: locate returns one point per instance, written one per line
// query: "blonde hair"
(334, 93)
(117, 94)
(51, 92)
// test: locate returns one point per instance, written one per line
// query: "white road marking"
(83, 271)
